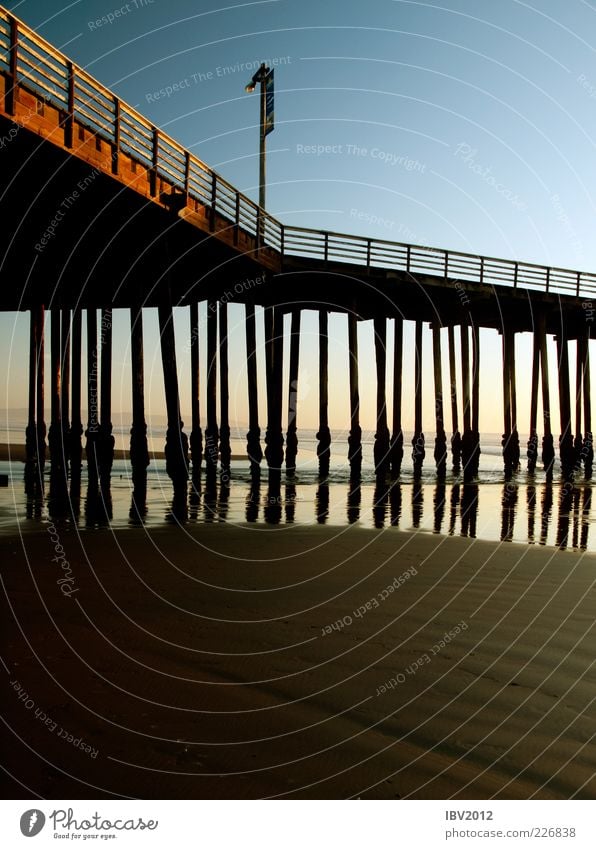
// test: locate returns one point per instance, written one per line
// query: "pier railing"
(29, 61)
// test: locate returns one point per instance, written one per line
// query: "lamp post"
(264, 77)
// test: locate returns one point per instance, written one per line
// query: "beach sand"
(201, 664)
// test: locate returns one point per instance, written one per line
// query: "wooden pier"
(125, 217)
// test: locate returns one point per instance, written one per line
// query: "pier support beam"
(57, 448)
(324, 434)
(397, 438)
(566, 451)
(274, 441)
(418, 452)
(225, 451)
(76, 422)
(106, 440)
(92, 431)
(253, 437)
(476, 400)
(212, 431)
(548, 448)
(381, 447)
(588, 446)
(355, 437)
(292, 432)
(532, 453)
(139, 454)
(40, 389)
(65, 383)
(196, 434)
(469, 438)
(578, 442)
(176, 447)
(510, 440)
(440, 453)
(456, 436)
(31, 463)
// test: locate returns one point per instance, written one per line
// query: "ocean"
(525, 509)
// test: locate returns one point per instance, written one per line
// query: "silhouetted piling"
(212, 431)
(323, 434)
(355, 436)
(196, 434)
(292, 432)
(31, 464)
(588, 446)
(92, 431)
(440, 452)
(397, 437)
(105, 447)
(381, 447)
(253, 437)
(418, 452)
(533, 438)
(274, 452)
(456, 436)
(139, 453)
(510, 435)
(176, 447)
(548, 448)
(566, 451)
(41, 424)
(76, 422)
(225, 451)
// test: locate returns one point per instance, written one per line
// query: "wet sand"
(252, 661)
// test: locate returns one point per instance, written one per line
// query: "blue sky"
(461, 124)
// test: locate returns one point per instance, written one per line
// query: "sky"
(463, 124)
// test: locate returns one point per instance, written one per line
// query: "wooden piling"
(176, 447)
(40, 397)
(548, 449)
(196, 434)
(579, 380)
(588, 446)
(65, 332)
(467, 441)
(76, 422)
(211, 432)
(55, 433)
(274, 366)
(92, 431)
(355, 436)
(465, 371)
(139, 453)
(292, 435)
(532, 446)
(566, 452)
(31, 470)
(397, 437)
(456, 436)
(324, 434)
(381, 447)
(253, 437)
(440, 453)
(475, 399)
(510, 440)
(225, 451)
(515, 452)
(106, 439)
(418, 452)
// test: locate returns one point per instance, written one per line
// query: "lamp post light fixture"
(264, 77)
